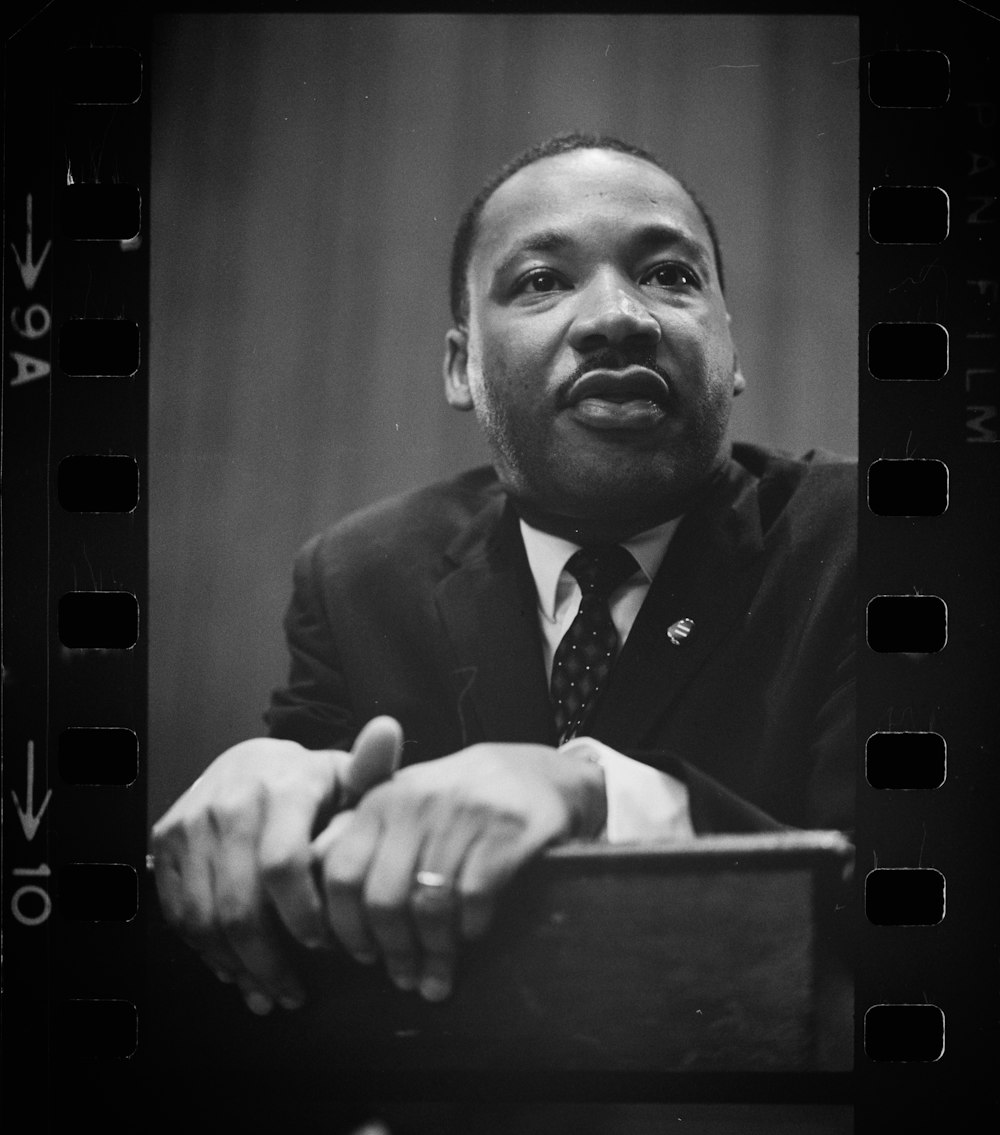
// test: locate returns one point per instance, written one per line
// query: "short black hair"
(465, 234)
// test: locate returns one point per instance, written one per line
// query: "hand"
(470, 820)
(232, 856)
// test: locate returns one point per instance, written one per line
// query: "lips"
(619, 403)
(633, 383)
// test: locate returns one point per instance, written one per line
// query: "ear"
(456, 377)
(739, 382)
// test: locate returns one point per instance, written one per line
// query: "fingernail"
(225, 978)
(404, 981)
(364, 958)
(259, 1003)
(435, 988)
(291, 1001)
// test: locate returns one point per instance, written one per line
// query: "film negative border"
(74, 725)
(76, 276)
(929, 429)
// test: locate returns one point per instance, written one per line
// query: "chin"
(576, 477)
(637, 494)
(629, 502)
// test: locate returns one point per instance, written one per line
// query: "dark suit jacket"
(424, 607)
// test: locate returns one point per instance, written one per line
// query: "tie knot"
(600, 568)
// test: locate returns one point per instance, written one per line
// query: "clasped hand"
(237, 868)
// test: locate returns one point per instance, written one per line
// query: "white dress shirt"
(643, 803)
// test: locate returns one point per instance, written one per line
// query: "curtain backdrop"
(308, 173)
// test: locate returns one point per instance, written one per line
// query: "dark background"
(307, 175)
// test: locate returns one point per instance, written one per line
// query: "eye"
(540, 281)
(671, 275)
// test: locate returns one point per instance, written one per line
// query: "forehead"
(584, 191)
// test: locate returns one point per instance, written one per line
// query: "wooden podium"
(714, 955)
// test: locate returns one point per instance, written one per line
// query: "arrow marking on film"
(29, 268)
(30, 819)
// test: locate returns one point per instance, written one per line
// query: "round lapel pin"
(678, 632)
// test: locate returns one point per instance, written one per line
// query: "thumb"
(375, 756)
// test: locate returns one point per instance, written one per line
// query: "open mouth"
(633, 398)
(634, 383)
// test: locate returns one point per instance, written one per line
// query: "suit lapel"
(709, 575)
(489, 609)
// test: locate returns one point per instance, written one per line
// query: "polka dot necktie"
(585, 655)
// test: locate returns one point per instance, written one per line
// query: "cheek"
(704, 344)
(511, 366)
(520, 343)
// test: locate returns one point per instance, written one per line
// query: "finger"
(249, 928)
(435, 909)
(220, 959)
(433, 906)
(387, 892)
(257, 1001)
(285, 863)
(200, 933)
(184, 886)
(375, 756)
(346, 859)
(489, 865)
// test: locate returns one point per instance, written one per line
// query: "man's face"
(597, 355)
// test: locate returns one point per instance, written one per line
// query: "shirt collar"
(548, 555)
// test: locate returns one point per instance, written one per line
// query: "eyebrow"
(545, 240)
(555, 240)
(659, 233)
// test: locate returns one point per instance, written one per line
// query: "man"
(699, 681)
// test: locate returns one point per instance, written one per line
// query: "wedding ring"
(430, 879)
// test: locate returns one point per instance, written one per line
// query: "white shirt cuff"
(644, 804)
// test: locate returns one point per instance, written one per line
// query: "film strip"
(76, 325)
(928, 440)
(75, 596)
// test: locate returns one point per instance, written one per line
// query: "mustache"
(617, 358)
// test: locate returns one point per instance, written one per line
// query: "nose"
(611, 313)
